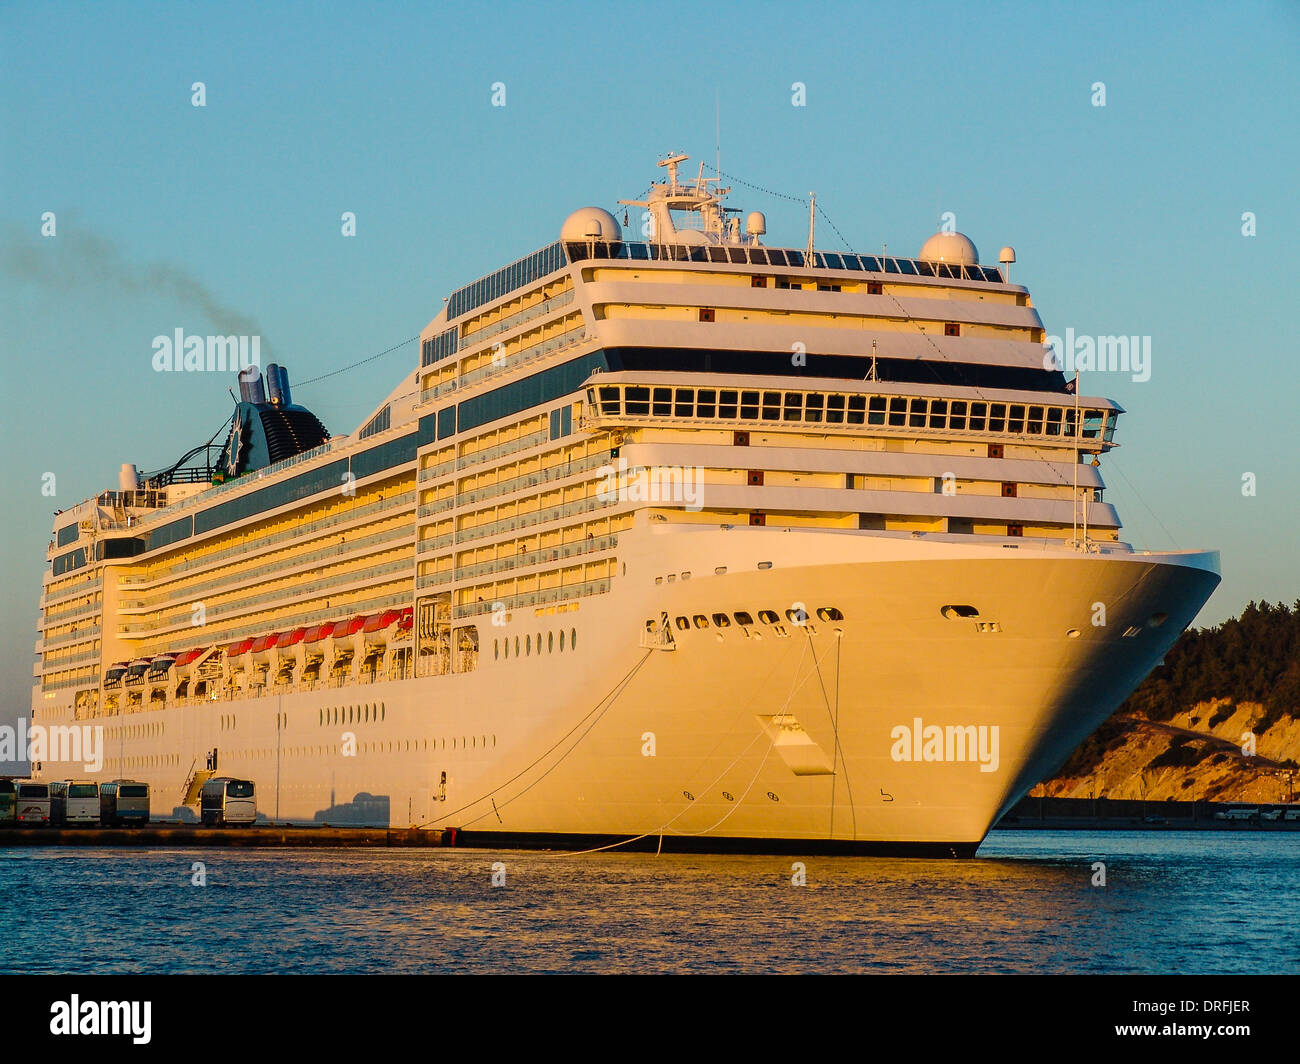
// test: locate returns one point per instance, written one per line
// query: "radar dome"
(591, 223)
(949, 247)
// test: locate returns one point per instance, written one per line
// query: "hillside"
(1181, 733)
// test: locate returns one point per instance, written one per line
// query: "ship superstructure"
(685, 539)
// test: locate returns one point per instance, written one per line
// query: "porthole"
(516, 646)
(765, 565)
(701, 621)
(798, 616)
(507, 642)
(682, 624)
(688, 796)
(953, 612)
(1157, 619)
(830, 613)
(768, 616)
(573, 639)
(561, 640)
(550, 642)
(1073, 633)
(528, 645)
(743, 618)
(773, 796)
(496, 649)
(722, 620)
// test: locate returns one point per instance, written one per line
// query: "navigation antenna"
(812, 222)
(871, 373)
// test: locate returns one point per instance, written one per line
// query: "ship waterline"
(684, 543)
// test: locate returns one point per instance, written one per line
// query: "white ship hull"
(623, 739)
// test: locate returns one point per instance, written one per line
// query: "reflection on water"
(1178, 902)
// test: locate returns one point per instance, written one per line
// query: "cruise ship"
(680, 542)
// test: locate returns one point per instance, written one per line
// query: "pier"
(190, 835)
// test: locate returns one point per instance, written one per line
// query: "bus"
(81, 802)
(8, 802)
(124, 803)
(33, 803)
(226, 802)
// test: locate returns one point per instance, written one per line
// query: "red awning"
(377, 622)
(318, 632)
(264, 642)
(288, 639)
(233, 650)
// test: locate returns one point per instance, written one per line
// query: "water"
(1185, 902)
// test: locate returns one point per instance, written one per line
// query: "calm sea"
(1173, 903)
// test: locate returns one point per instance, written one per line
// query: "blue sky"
(1127, 218)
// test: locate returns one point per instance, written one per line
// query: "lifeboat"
(346, 633)
(377, 627)
(234, 653)
(263, 648)
(286, 648)
(187, 661)
(136, 670)
(290, 639)
(317, 633)
(160, 666)
(113, 675)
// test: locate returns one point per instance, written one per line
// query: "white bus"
(34, 803)
(228, 802)
(81, 802)
(124, 803)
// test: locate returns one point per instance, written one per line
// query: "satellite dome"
(591, 223)
(949, 247)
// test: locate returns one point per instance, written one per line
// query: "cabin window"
(1008, 490)
(951, 328)
(875, 288)
(706, 313)
(755, 477)
(758, 519)
(1015, 530)
(758, 282)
